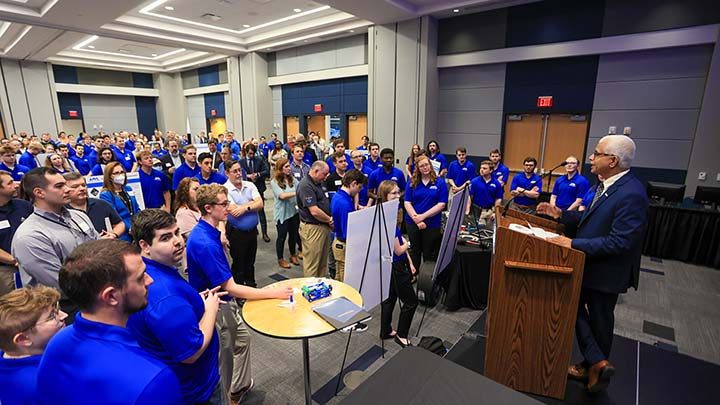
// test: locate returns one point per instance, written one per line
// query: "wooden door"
(523, 138)
(217, 125)
(357, 128)
(566, 136)
(316, 123)
(292, 126)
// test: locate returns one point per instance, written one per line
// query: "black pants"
(424, 243)
(262, 217)
(400, 287)
(288, 229)
(243, 248)
(595, 324)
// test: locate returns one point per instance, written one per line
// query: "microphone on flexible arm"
(542, 176)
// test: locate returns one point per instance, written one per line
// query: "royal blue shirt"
(168, 328)
(206, 262)
(154, 186)
(587, 199)
(350, 165)
(341, 206)
(460, 173)
(398, 235)
(234, 147)
(89, 149)
(130, 145)
(184, 171)
(17, 172)
(159, 153)
(379, 175)
(520, 180)
(568, 190)
(19, 380)
(372, 165)
(97, 170)
(425, 196)
(94, 363)
(216, 178)
(248, 220)
(125, 157)
(83, 164)
(484, 193)
(308, 158)
(28, 160)
(501, 173)
(126, 214)
(439, 158)
(363, 194)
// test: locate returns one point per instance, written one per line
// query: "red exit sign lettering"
(544, 101)
(318, 108)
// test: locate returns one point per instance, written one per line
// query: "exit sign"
(544, 101)
(318, 108)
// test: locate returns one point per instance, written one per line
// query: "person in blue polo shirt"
(373, 161)
(189, 168)
(208, 266)
(363, 199)
(525, 187)
(29, 317)
(425, 198)
(437, 159)
(7, 163)
(460, 171)
(387, 172)
(207, 175)
(341, 205)
(569, 189)
(97, 359)
(485, 194)
(123, 155)
(29, 157)
(154, 183)
(502, 172)
(339, 146)
(178, 324)
(81, 161)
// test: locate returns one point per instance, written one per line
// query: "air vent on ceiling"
(211, 17)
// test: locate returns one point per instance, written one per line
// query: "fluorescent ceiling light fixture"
(169, 8)
(309, 36)
(73, 61)
(246, 25)
(148, 10)
(3, 28)
(200, 62)
(18, 39)
(91, 46)
(86, 44)
(136, 31)
(297, 10)
(457, 10)
(154, 54)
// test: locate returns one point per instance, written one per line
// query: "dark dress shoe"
(388, 337)
(578, 372)
(397, 340)
(294, 260)
(266, 238)
(599, 376)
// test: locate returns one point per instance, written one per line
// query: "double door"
(549, 138)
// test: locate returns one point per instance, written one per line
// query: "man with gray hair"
(610, 232)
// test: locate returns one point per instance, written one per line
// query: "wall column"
(171, 106)
(256, 96)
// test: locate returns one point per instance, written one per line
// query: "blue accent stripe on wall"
(215, 101)
(208, 75)
(65, 74)
(146, 114)
(69, 102)
(142, 80)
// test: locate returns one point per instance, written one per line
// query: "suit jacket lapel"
(606, 195)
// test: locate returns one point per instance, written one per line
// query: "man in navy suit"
(610, 232)
(257, 171)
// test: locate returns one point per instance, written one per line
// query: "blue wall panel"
(209, 76)
(65, 74)
(68, 102)
(142, 80)
(554, 21)
(339, 96)
(146, 114)
(215, 101)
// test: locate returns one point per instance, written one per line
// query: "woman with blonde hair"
(116, 192)
(400, 279)
(286, 216)
(426, 196)
(57, 162)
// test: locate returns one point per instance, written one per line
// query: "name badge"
(4, 224)
(393, 178)
(533, 182)
(433, 188)
(297, 175)
(464, 169)
(338, 182)
(131, 193)
(327, 195)
(127, 157)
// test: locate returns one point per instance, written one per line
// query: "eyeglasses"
(598, 154)
(222, 204)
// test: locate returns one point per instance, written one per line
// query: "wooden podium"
(532, 306)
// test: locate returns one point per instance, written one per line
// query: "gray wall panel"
(487, 122)
(474, 99)
(190, 79)
(476, 144)
(16, 96)
(277, 110)
(40, 100)
(661, 154)
(196, 113)
(650, 94)
(472, 76)
(349, 51)
(648, 124)
(114, 113)
(100, 77)
(692, 61)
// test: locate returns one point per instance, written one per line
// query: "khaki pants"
(234, 356)
(338, 248)
(7, 278)
(316, 245)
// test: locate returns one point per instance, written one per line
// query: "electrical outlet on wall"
(717, 178)
(702, 176)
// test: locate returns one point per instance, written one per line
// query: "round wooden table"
(270, 318)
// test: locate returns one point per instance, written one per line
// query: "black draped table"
(689, 235)
(466, 279)
(416, 376)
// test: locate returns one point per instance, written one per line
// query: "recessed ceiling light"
(153, 54)
(351, 31)
(246, 25)
(268, 49)
(91, 46)
(456, 10)
(305, 40)
(297, 10)
(169, 8)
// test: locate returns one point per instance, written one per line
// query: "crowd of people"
(164, 309)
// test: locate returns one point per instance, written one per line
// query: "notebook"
(340, 312)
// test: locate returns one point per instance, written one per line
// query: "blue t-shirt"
(28, 160)
(93, 363)
(83, 164)
(501, 173)
(398, 235)
(440, 158)
(215, 178)
(17, 172)
(168, 328)
(425, 196)
(19, 380)
(154, 186)
(372, 166)
(568, 190)
(587, 199)
(461, 173)
(159, 153)
(184, 171)
(130, 145)
(206, 262)
(329, 161)
(88, 149)
(341, 206)
(520, 180)
(363, 194)
(379, 175)
(98, 170)
(308, 158)
(125, 157)
(485, 193)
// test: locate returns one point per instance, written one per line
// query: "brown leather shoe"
(299, 255)
(294, 260)
(578, 372)
(284, 264)
(599, 376)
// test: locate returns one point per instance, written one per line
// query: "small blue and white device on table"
(314, 292)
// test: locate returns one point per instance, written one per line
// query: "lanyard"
(66, 225)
